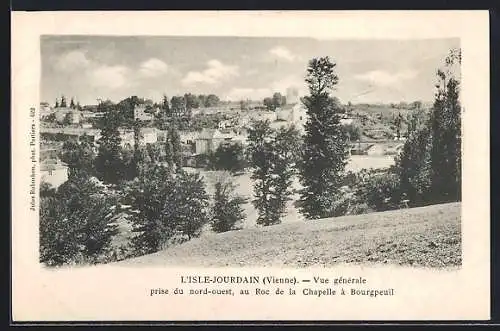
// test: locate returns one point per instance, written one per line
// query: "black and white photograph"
(239, 166)
(249, 151)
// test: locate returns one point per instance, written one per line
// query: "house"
(54, 172)
(148, 136)
(188, 137)
(88, 114)
(209, 139)
(291, 115)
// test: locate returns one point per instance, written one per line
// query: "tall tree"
(325, 151)
(109, 163)
(227, 212)
(57, 103)
(272, 158)
(398, 122)
(72, 104)
(174, 148)
(63, 102)
(446, 132)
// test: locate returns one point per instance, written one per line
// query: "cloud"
(385, 78)
(109, 76)
(215, 72)
(153, 67)
(236, 94)
(283, 53)
(72, 61)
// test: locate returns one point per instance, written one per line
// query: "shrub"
(380, 190)
(227, 212)
(76, 224)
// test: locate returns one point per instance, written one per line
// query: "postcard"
(250, 166)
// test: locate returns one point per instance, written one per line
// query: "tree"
(446, 132)
(268, 102)
(72, 104)
(416, 104)
(79, 156)
(173, 148)
(165, 106)
(353, 132)
(165, 205)
(417, 119)
(57, 104)
(325, 150)
(272, 158)
(413, 166)
(398, 121)
(229, 157)
(63, 102)
(191, 203)
(178, 105)
(191, 101)
(227, 212)
(76, 224)
(46, 190)
(278, 100)
(109, 164)
(212, 100)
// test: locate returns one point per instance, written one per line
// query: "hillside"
(427, 236)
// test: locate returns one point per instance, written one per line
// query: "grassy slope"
(428, 236)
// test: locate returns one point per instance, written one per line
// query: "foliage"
(325, 150)
(76, 223)
(79, 157)
(272, 154)
(109, 164)
(276, 101)
(227, 212)
(353, 131)
(165, 205)
(229, 157)
(173, 148)
(46, 190)
(446, 134)
(378, 189)
(413, 166)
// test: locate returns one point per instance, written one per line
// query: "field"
(424, 237)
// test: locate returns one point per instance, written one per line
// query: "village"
(227, 124)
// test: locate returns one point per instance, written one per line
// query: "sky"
(235, 68)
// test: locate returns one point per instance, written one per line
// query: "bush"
(230, 157)
(227, 212)
(379, 190)
(166, 205)
(76, 224)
